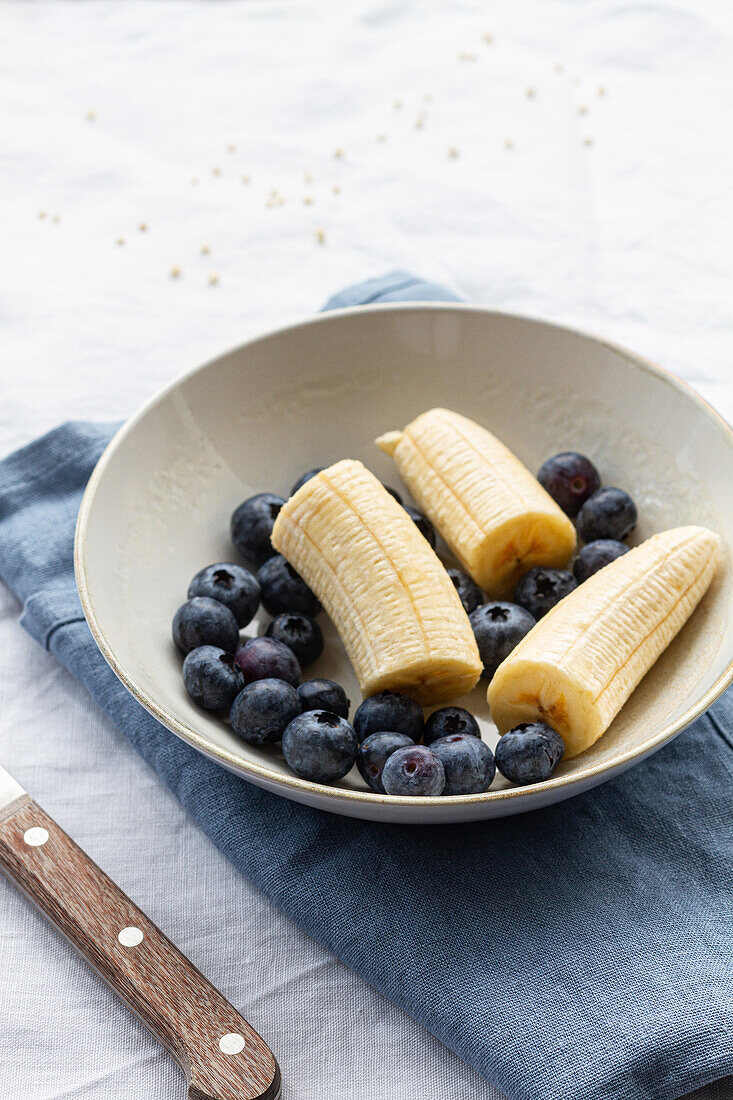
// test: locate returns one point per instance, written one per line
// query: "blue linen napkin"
(582, 952)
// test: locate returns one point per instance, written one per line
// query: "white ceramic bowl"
(157, 507)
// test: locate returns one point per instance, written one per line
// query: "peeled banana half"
(397, 612)
(577, 667)
(493, 514)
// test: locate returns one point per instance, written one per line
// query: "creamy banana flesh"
(390, 598)
(493, 514)
(577, 667)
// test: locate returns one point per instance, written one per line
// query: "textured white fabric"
(630, 236)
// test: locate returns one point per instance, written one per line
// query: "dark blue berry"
(300, 633)
(447, 720)
(498, 627)
(305, 477)
(469, 592)
(608, 514)
(373, 754)
(388, 710)
(468, 763)
(570, 478)
(423, 524)
(251, 526)
(595, 555)
(202, 621)
(231, 585)
(320, 746)
(262, 710)
(541, 588)
(529, 753)
(212, 677)
(414, 770)
(267, 659)
(393, 493)
(283, 590)
(324, 695)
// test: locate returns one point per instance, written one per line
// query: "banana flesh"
(493, 514)
(577, 667)
(390, 598)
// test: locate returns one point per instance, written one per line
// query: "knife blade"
(221, 1055)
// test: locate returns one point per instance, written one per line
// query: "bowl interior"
(159, 505)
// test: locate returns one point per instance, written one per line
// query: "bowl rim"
(266, 776)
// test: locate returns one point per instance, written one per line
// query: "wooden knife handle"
(222, 1057)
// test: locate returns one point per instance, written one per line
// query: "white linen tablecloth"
(178, 177)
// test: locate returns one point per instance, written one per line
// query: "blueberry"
(251, 526)
(324, 695)
(305, 477)
(393, 493)
(498, 627)
(595, 555)
(262, 710)
(212, 677)
(373, 754)
(320, 746)
(570, 478)
(267, 659)
(449, 720)
(389, 711)
(202, 621)
(283, 590)
(469, 592)
(608, 514)
(414, 770)
(423, 525)
(300, 633)
(541, 588)
(231, 585)
(468, 763)
(529, 753)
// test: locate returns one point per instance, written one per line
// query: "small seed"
(231, 147)
(557, 67)
(453, 151)
(213, 278)
(530, 93)
(575, 80)
(588, 141)
(381, 138)
(307, 200)
(508, 143)
(601, 90)
(216, 171)
(338, 154)
(582, 109)
(397, 105)
(488, 38)
(91, 116)
(245, 179)
(41, 214)
(320, 236)
(175, 271)
(464, 55)
(307, 177)
(194, 181)
(143, 227)
(120, 241)
(336, 189)
(205, 249)
(56, 218)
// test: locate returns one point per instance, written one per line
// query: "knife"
(222, 1057)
